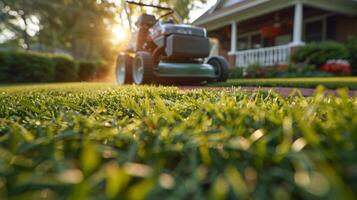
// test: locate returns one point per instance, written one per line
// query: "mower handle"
(149, 5)
(171, 11)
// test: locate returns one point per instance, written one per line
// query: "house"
(266, 32)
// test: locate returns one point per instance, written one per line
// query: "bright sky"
(203, 8)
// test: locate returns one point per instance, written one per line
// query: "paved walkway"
(285, 91)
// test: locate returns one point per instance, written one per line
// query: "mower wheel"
(143, 68)
(220, 67)
(124, 69)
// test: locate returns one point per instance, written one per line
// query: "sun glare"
(119, 34)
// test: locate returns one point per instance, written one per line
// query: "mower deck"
(189, 70)
(168, 53)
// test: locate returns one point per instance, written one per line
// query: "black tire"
(143, 68)
(124, 70)
(221, 68)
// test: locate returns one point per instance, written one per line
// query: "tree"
(12, 12)
(184, 7)
(82, 28)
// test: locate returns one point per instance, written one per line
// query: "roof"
(226, 11)
(223, 6)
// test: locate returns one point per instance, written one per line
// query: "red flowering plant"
(337, 67)
(271, 31)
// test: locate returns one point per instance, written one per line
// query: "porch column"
(298, 24)
(231, 54)
(233, 37)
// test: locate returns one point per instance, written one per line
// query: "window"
(283, 39)
(314, 31)
(251, 40)
(243, 43)
(256, 41)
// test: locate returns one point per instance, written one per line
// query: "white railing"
(271, 56)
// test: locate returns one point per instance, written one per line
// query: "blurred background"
(72, 33)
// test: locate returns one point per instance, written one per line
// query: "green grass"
(93, 141)
(328, 82)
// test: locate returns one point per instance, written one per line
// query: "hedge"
(25, 67)
(89, 70)
(351, 46)
(236, 72)
(33, 67)
(318, 53)
(66, 69)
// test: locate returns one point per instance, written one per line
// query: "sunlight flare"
(119, 34)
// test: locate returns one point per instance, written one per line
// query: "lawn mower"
(164, 52)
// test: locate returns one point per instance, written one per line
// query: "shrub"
(340, 67)
(291, 71)
(274, 71)
(351, 46)
(32, 67)
(255, 71)
(26, 67)
(89, 70)
(66, 68)
(304, 71)
(318, 53)
(103, 70)
(236, 72)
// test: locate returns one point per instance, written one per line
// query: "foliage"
(236, 72)
(89, 70)
(255, 71)
(294, 71)
(291, 71)
(85, 37)
(25, 67)
(184, 7)
(11, 13)
(318, 53)
(351, 45)
(108, 142)
(89, 36)
(340, 67)
(307, 61)
(31, 67)
(66, 68)
(332, 82)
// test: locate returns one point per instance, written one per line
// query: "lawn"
(101, 141)
(328, 82)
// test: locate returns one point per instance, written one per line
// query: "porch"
(267, 33)
(269, 56)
